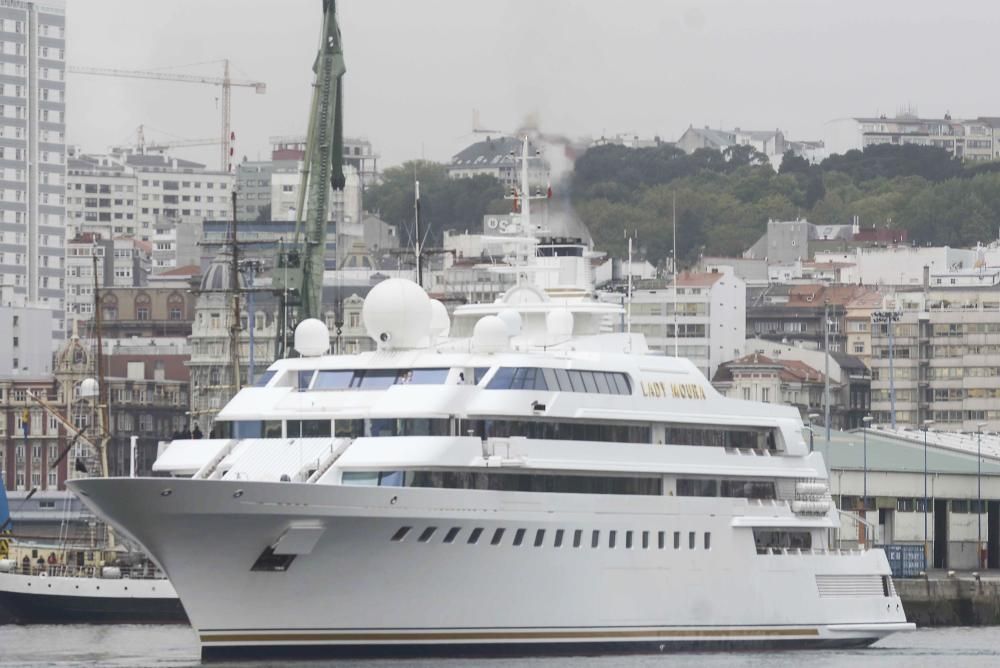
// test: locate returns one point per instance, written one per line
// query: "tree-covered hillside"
(725, 199)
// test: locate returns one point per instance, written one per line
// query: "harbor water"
(175, 646)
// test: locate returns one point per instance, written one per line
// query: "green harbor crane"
(298, 270)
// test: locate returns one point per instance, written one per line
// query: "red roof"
(788, 370)
(698, 278)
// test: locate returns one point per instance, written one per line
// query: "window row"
(560, 380)
(510, 482)
(611, 539)
(727, 488)
(369, 379)
(609, 432)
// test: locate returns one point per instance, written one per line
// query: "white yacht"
(517, 481)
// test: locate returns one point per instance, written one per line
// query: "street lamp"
(923, 427)
(865, 421)
(979, 493)
(812, 429)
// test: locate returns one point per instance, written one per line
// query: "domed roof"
(216, 277)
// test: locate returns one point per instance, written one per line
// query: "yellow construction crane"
(225, 137)
(141, 146)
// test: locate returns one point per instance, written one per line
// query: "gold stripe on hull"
(492, 636)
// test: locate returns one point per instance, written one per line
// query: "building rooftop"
(789, 370)
(491, 151)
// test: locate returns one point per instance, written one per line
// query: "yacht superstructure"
(530, 483)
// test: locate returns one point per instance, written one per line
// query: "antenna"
(416, 230)
(677, 341)
(628, 308)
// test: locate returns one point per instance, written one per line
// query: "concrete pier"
(959, 599)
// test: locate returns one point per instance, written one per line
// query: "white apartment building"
(900, 265)
(710, 322)
(129, 193)
(33, 153)
(965, 139)
(25, 341)
(345, 205)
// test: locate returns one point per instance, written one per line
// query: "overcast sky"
(417, 69)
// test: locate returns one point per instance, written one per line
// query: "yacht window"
(304, 378)
(539, 537)
(531, 482)
(559, 538)
(747, 489)
(595, 538)
(426, 534)
(610, 432)
(307, 428)
(767, 539)
(691, 540)
(708, 540)
(661, 539)
(360, 478)
(611, 538)
(474, 536)
(410, 427)
(696, 487)
(479, 372)
(265, 378)
(577, 537)
(497, 537)
(564, 380)
(451, 535)
(333, 379)
(375, 379)
(349, 428)
(248, 429)
(645, 540)
(424, 376)
(400, 534)
(677, 540)
(628, 540)
(518, 537)
(720, 436)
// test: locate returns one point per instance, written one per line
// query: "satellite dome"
(397, 314)
(559, 323)
(490, 335)
(512, 319)
(440, 322)
(88, 388)
(312, 338)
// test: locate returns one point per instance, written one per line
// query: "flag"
(80, 466)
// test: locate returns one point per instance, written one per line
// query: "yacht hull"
(410, 572)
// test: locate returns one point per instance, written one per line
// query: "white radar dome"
(440, 322)
(559, 323)
(490, 335)
(512, 319)
(397, 314)
(312, 338)
(88, 388)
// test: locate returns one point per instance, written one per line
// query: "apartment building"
(944, 360)
(33, 153)
(703, 319)
(972, 139)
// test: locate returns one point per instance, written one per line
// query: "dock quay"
(951, 598)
